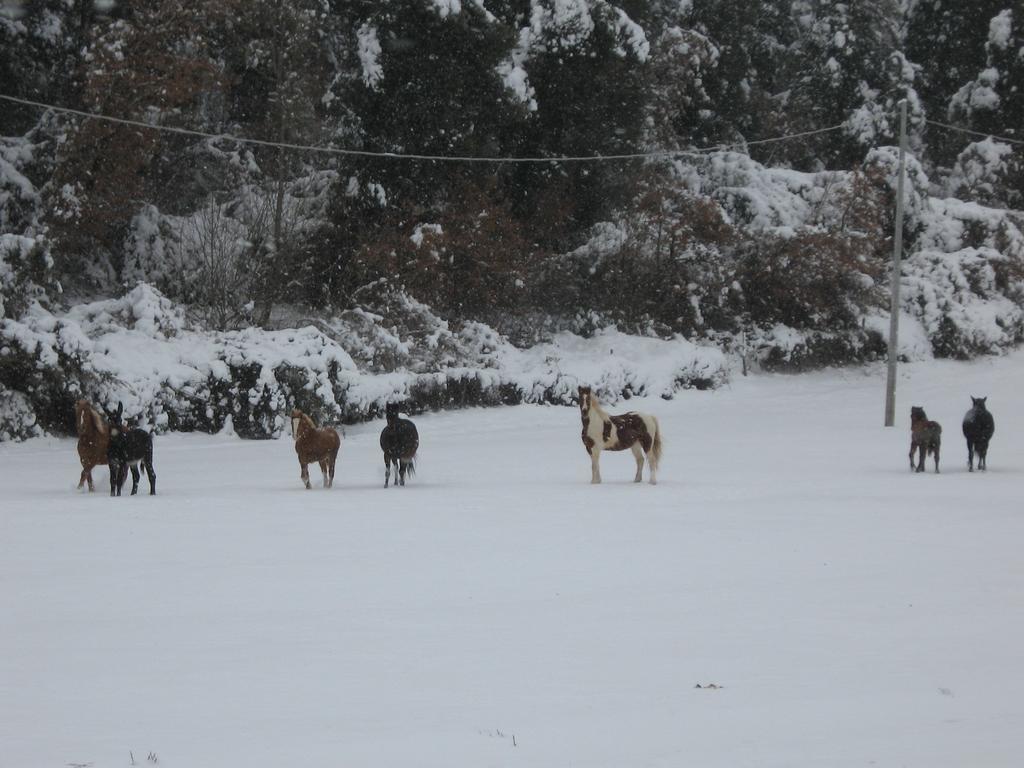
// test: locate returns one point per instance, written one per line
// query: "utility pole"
(897, 258)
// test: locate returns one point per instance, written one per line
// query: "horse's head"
(391, 411)
(979, 402)
(297, 419)
(83, 415)
(917, 414)
(586, 399)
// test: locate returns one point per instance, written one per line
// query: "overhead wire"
(658, 154)
(1007, 139)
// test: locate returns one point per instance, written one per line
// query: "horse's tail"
(410, 468)
(656, 445)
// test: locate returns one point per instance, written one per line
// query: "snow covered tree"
(840, 62)
(279, 62)
(993, 101)
(149, 63)
(584, 64)
(947, 41)
(751, 38)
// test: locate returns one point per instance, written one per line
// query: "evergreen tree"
(839, 64)
(993, 101)
(751, 37)
(946, 39)
(587, 66)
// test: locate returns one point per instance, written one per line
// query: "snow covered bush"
(810, 281)
(26, 274)
(989, 172)
(143, 350)
(17, 419)
(970, 302)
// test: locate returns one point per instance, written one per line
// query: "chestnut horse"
(601, 432)
(925, 437)
(93, 438)
(315, 445)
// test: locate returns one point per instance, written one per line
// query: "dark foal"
(978, 429)
(925, 437)
(399, 440)
(126, 449)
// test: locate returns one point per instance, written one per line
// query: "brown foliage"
(150, 65)
(470, 260)
(811, 280)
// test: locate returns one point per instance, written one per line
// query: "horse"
(127, 448)
(978, 428)
(93, 438)
(399, 440)
(313, 444)
(601, 432)
(925, 437)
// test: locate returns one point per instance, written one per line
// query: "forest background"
(212, 283)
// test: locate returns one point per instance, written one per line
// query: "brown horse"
(601, 432)
(93, 438)
(925, 437)
(315, 445)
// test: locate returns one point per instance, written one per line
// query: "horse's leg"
(937, 446)
(595, 466)
(117, 478)
(911, 456)
(331, 460)
(305, 476)
(81, 479)
(652, 467)
(114, 471)
(88, 477)
(135, 478)
(387, 470)
(982, 455)
(638, 454)
(148, 464)
(323, 471)
(402, 466)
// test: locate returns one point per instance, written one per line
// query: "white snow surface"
(500, 610)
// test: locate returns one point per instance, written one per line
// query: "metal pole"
(897, 257)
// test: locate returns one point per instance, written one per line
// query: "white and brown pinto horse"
(93, 439)
(315, 445)
(601, 432)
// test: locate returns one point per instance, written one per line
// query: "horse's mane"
(305, 419)
(81, 407)
(595, 405)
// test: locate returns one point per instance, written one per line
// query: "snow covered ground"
(501, 611)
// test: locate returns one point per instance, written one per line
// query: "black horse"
(128, 447)
(978, 428)
(399, 441)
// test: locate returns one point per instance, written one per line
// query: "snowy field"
(501, 611)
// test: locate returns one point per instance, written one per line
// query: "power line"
(974, 133)
(663, 154)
